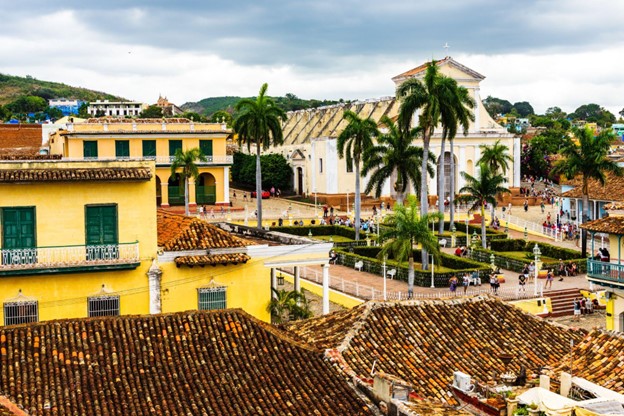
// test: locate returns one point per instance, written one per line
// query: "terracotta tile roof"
(74, 174)
(20, 139)
(190, 363)
(212, 259)
(612, 191)
(30, 157)
(611, 225)
(598, 358)
(614, 206)
(424, 342)
(178, 233)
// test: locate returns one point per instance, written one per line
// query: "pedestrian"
(325, 211)
(542, 206)
(509, 209)
(278, 193)
(522, 282)
(453, 284)
(234, 196)
(526, 205)
(331, 211)
(272, 191)
(577, 310)
(245, 196)
(201, 212)
(466, 282)
(549, 279)
(531, 272)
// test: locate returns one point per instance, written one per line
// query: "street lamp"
(310, 233)
(383, 268)
(493, 261)
(537, 253)
(474, 239)
(453, 236)
(432, 272)
(526, 233)
(280, 279)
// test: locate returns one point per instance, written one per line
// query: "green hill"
(290, 102)
(13, 87)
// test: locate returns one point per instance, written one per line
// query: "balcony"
(69, 259)
(606, 274)
(161, 160)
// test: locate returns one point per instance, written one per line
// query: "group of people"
(583, 306)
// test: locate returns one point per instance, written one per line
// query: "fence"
(367, 292)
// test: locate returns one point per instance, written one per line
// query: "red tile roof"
(212, 259)
(599, 358)
(20, 139)
(612, 191)
(178, 233)
(610, 225)
(74, 174)
(424, 342)
(190, 363)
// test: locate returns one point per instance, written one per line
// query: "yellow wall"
(531, 306)
(248, 286)
(339, 298)
(60, 216)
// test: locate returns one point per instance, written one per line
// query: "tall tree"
(259, 122)
(187, 161)
(482, 190)
(496, 156)
(587, 159)
(406, 228)
(394, 156)
(352, 142)
(436, 99)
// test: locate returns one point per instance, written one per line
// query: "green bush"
(275, 171)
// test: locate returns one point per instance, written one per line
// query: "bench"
(358, 265)
(391, 273)
(443, 242)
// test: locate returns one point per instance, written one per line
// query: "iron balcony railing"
(608, 272)
(210, 160)
(68, 256)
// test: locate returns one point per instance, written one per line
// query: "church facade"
(310, 139)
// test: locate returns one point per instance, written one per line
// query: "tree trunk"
(483, 242)
(258, 187)
(452, 188)
(441, 183)
(583, 231)
(424, 201)
(357, 200)
(410, 276)
(187, 211)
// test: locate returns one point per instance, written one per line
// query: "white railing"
(367, 292)
(68, 256)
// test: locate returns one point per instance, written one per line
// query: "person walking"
(522, 282)
(453, 284)
(466, 282)
(577, 310)
(531, 272)
(549, 279)
(526, 205)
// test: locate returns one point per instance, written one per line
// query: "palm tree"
(460, 114)
(497, 158)
(259, 123)
(187, 162)
(394, 156)
(286, 304)
(352, 143)
(482, 190)
(405, 228)
(589, 160)
(437, 99)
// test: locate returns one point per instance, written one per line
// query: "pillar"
(164, 194)
(517, 163)
(191, 191)
(566, 383)
(273, 282)
(154, 275)
(297, 279)
(462, 167)
(325, 289)
(226, 184)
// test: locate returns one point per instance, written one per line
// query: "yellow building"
(122, 139)
(77, 238)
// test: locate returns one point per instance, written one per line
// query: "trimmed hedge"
(304, 230)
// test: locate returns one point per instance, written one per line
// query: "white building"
(310, 138)
(115, 108)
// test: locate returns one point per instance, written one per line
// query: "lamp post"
(537, 253)
(383, 267)
(432, 272)
(526, 233)
(507, 228)
(474, 239)
(453, 236)
(493, 262)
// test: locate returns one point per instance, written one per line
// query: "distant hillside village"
(134, 282)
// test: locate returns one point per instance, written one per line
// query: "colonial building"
(310, 138)
(168, 109)
(115, 108)
(122, 139)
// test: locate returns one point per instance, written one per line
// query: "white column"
(297, 279)
(325, 289)
(475, 126)
(314, 168)
(461, 168)
(517, 153)
(154, 278)
(226, 184)
(477, 156)
(273, 281)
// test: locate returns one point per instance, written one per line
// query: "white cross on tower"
(446, 47)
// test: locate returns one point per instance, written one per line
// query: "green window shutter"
(206, 147)
(90, 149)
(149, 148)
(122, 148)
(174, 145)
(18, 228)
(101, 225)
(212, 298)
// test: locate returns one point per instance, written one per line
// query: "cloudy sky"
(548, 52)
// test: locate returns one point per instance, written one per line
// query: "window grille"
(103, 305)
(21, 312)
(211, 298)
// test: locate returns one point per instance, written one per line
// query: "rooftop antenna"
(446, 48)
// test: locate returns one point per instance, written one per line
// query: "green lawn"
(522, 255)
(336, 238)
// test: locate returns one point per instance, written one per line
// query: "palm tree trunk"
(441, 184)
(424, 202)
(583, 231)
(187, 211)
(357, 200)
(410, 276)
(483, 242)
(258, 186)
(452, 188)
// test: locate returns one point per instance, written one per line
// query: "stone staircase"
(562, 301)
